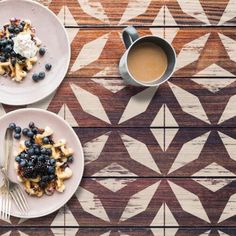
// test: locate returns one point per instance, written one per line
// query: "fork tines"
(5, 205)
(19, 198)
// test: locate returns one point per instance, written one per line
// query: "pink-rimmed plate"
(54, 38)
(46, 204)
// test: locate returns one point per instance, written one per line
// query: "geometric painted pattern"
(158, 161)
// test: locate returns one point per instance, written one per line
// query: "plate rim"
(82, 157)
(67, 63)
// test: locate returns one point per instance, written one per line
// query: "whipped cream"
(24, 45)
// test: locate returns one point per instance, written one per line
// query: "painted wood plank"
(183, 152)
(142, 202)
(149, 13)
(200, 52)
(152, 202)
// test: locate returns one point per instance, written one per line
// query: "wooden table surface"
(159, 161)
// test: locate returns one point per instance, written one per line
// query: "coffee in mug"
(147, 62)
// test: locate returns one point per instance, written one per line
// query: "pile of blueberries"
(35, 160)
(6, 43)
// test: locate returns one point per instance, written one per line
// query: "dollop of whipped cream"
(24, 45)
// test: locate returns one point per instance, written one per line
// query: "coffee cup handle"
(129, 35)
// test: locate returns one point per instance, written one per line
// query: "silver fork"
(5, 206)
(11, 187)
(16, 194)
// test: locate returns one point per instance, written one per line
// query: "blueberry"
(8, 48)
(35, 130)
(51, 177)
(12, 126)
(35, 77)
(13, 61)
(37, 151)
(43, 150)
(31, 125)
(10, 41)
(30, 163)
(22, 155)
(17, 136)
(46, 140)
(11, 29)
(22, 23)
(18, 129)
(17, 30)
(2, 59)
(3, 42)
(36, 146)
(41, 158)
(11, 36)
(41, 75)
(31, 151)
(42, 51)
(48, 66)
(28, 143)
(52, 161)
(45, 178)
(20, 27)
(22, 163)
(13, 54)
(48, 151)
(71, 159)
(25, 131)
(42, 184)
(17, 159)
(51, 170)
(30, 134)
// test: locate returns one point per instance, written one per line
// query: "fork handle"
(6, 178)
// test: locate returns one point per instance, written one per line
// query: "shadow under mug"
(131, 39)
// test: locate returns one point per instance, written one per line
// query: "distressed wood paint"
(181, 173)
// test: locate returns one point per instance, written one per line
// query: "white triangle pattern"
(214, 184)
(114, 169)
(90, 103)
(139, 152)
(229, 12)
(191, 51)
(91, 203)
(113, 85)
(189, 103)
(140, 200)
(90, 52)
(230, 145)
(114, 185)
(138, 104)
(134, 8)
(194, 9)
(189, 202)
(229, 210)
(159, 218)
(214, 85)
(94, 9)
(191, 149)
(93, 148)
(213, 70)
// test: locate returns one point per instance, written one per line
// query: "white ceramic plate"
(54, 38)
(46, 204)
